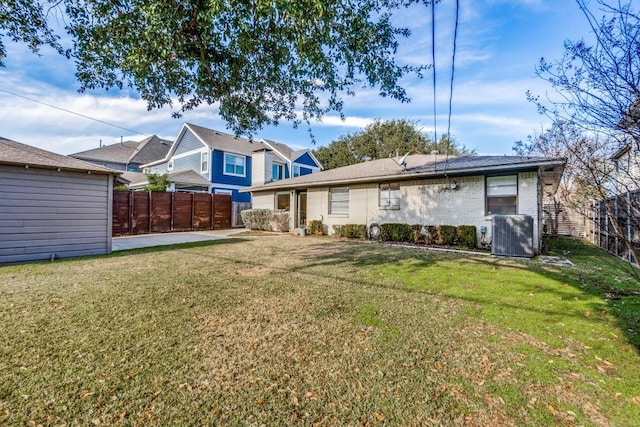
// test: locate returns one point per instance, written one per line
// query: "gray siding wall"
(45, 214)
(159, 169)
(189, 163)
(187, 143)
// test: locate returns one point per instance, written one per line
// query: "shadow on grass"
(589, 276)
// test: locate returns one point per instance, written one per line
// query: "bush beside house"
(266, 219)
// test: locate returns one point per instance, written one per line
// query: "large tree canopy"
(382, 139)
(259, 61)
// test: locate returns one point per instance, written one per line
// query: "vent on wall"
(512, 235)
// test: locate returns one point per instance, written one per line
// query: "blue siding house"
(225, 164)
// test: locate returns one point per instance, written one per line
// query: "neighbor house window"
(339, 200)
(277, 171)
(170, 165)
(502, 194)
(283, 201)
(225, 192)
(296, 170)
(204, 162)
(234, 165)
(390, 196)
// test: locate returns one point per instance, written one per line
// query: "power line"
(433, 59)
(453, 69)
(73, 112)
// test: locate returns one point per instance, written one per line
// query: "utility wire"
(433, 60)
(453, 69)
(74, 113)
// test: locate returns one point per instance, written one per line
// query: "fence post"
(171, 205)
(193, 209)
(150, 209)
(213, 207)
(130, 211)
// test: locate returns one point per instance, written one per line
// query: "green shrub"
(315, 227)
(448, 235)
(466, 236)
(396, 232)
(433, 235)
(418, 237)
(350, 231)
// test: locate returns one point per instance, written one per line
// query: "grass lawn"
(278, 329)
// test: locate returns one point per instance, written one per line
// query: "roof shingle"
(16, 153)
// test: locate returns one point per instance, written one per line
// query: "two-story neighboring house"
(222, 164)
(626, 169)
(127, 155)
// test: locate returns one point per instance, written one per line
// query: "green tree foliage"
(157, 182)
(381, 139)
(260, 61)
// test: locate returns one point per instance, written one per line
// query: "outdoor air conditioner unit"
(512, 235)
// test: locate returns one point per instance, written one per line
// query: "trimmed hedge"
(467, 236)
(257, 219)
(418, 237)
(448, 235)
(434, 235)
(315, 227)
(396, 232)
(266, 219)
(350, 231)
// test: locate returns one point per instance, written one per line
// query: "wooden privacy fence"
(141, 212)
(624, 209)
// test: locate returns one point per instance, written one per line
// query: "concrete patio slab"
(163, 239)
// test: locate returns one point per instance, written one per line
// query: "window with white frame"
(222, 191)
(277, 171)
(339, 200)
(389, 196)
(204, 162)
(283, 200)
(502, 195)
(170, 165)
(234, 165)
(296, 170)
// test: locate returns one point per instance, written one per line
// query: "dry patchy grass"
(282, 330)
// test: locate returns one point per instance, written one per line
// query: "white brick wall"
(427, 202)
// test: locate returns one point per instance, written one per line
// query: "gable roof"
(224, 141)
(417, 166)
(18, 154)
(145, 151)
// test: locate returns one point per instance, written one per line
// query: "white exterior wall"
(427, 202)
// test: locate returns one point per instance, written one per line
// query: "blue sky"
(499, 44)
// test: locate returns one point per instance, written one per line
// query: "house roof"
(621, 151)
(133, 178)
(145, 151)
(224, 141)
(419, 166)
(189, 177)
(16, 153)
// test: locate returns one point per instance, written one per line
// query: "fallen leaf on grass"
(379, 416)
